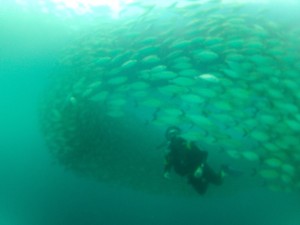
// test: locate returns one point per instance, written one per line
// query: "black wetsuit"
(185, 157)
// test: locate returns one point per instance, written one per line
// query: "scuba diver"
(189, 161)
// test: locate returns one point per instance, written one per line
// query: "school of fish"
(227, 75)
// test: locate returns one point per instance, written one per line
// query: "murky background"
(46, 49)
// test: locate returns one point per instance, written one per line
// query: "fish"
(151, 59)
(206, 56)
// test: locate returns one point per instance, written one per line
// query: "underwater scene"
(148, 112)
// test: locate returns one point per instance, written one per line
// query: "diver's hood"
(172, 132)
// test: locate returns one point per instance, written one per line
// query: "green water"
(41, 187)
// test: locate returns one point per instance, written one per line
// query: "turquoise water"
(36, 189)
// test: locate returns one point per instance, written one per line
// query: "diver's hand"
(167, 175)
(199, 171)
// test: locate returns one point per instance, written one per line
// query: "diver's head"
(172, 132)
